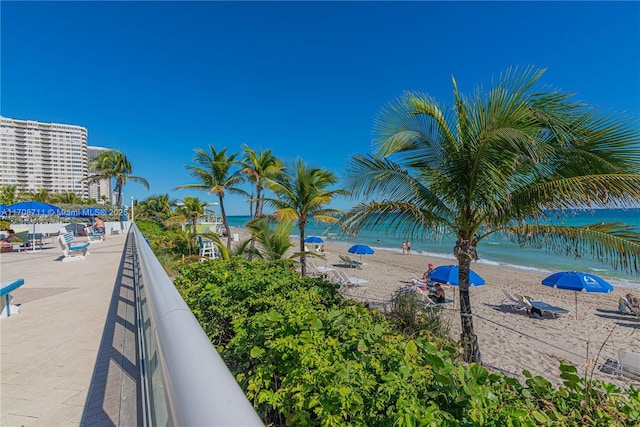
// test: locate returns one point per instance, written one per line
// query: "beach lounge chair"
(351, 262)
(424, 299)
(513, 302)
(70, 250)
(541, 306)
(321, 269)
(347, 280)
(629, 364)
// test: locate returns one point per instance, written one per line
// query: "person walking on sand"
(404, 248)
(408, 248)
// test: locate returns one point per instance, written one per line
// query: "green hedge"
(306, 357)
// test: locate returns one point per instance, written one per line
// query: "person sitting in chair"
(7, 241)
(425, 276)
(625, 305)
(437, 296)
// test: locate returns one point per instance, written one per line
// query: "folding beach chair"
(513, 302)
(541, 306)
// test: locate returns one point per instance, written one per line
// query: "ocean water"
(495, 250)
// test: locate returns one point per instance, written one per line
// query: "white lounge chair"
(351, 262)
(348, 281)
(72, 251)
(514, 303)
(629, 364)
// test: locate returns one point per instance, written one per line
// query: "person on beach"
(404, 248)
(98, 223)
(633, 302)
(425, 276)
(625, 307)
(437, 296)
(8, 240)
(408, 248)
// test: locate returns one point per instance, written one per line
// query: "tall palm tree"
(214, 172)
(303, 193)
(258, 166)
(192, 208)
(499, 162)
(113, 164)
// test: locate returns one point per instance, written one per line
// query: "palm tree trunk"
(468, 338)
(258, 201)
(303, 257)
(226, 223)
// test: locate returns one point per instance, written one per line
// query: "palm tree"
(273, 240)
(302, 193)
(42, 195)
(157, 207)
(192, 208)
(258, 166)
(8, 194)
(213, 170)
(68, 197)
(113, 164)
(500, 162)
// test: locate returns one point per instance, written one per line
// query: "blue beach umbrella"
(313, 239)
(578, 282)
(30, 209)
(34, 208)
(448, 274)
(361, 250)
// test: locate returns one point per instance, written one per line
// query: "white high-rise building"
(98, 190)
(36, 156)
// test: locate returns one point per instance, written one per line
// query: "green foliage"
(413, 319)
(306, 357)
(4, 225)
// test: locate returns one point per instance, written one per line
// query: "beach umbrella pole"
(576, 293)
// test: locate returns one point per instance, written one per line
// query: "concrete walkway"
(70, 357)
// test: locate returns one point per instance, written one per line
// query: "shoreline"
(509, 340)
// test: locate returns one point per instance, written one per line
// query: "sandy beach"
(509, 340)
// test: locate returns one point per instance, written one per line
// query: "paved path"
(69, 358)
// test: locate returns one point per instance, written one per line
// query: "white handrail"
(186, 382)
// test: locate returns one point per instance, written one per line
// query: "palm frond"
(615, 244)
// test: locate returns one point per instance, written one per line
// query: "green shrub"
(306, 357)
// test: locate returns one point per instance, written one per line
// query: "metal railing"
(185, 382)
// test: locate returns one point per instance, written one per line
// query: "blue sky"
(157, 80)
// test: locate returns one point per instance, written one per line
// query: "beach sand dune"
(510, 341)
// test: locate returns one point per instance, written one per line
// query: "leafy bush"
(306, 357)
